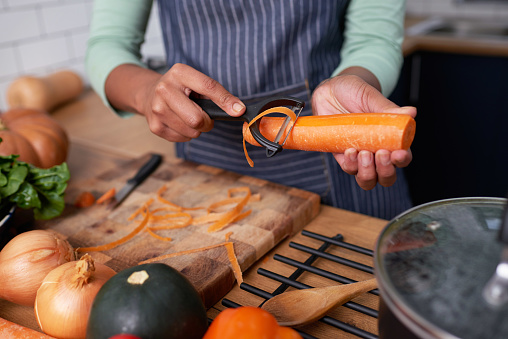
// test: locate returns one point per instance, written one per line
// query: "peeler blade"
(297, 109)
(251, 112)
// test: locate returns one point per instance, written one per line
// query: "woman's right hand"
(164, 99)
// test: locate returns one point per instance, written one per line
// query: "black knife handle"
(146, 170)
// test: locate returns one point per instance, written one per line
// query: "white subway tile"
(18, 24)
(3, 90)
(88, 10)
(415, 7)
(154, 28)
(454, 8)
(78, 44)
(153, 48)
(43, 53)
(64, 17)
(8, 66)
(78, 66)
(23, 3)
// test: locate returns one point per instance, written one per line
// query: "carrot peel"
(108, 195)
(120, 241)
(279, 109)
(228, 245)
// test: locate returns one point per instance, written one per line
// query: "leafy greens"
(29, 187)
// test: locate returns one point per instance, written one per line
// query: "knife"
(140, 176)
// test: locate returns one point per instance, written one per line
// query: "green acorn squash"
(149, 301)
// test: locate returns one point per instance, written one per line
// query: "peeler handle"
(214, 111)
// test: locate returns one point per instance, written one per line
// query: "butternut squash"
(44, 93)
(35, 136)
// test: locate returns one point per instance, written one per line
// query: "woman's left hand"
(351, 94)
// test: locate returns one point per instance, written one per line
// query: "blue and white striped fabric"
(261, 48)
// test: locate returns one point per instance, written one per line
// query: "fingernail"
(366, 158)
(237, 107)
(384, 158)
(352, 155)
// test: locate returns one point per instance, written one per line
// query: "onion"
(27, 259)
(65, 298)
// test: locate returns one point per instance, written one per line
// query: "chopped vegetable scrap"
(85, 199)
(171, 216)
(106, 196)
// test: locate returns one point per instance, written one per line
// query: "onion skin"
(27, 259)
(65, 298)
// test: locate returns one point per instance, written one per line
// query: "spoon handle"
(351, 291)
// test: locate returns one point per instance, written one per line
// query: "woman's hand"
(349, 93)
(164, 99)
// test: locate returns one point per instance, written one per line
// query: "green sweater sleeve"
(373, 38)
(117, 31)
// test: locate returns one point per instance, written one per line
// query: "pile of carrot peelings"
(237, 271)
(172, 216)
(278, 109)
(169, 216)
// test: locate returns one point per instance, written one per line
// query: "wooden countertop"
(101, 141)
(452, 43)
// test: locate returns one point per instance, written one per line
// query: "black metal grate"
(307, 266)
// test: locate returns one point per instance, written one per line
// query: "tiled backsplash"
(38, 37)
(495, 10)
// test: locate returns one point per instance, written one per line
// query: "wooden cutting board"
(281, 212)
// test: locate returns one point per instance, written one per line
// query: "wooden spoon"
(302, 307)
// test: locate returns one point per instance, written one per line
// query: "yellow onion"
(26, 259)
(65, 298)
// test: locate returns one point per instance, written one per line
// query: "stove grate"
(307, 266)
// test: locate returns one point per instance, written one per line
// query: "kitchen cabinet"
(461, 145)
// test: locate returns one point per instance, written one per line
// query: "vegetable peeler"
(251, 112)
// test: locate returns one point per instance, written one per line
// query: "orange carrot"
(106, 196)
(10, 330)
(336, 133)
(85, 199)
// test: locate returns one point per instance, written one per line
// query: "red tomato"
(124, 336)
(248, 322)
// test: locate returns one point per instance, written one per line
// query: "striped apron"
(262, 48)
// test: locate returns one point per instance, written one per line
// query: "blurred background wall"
(38, 37)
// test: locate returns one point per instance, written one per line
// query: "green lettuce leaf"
(34, 188)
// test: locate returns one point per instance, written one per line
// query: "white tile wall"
(495, 10)
(38, 37)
